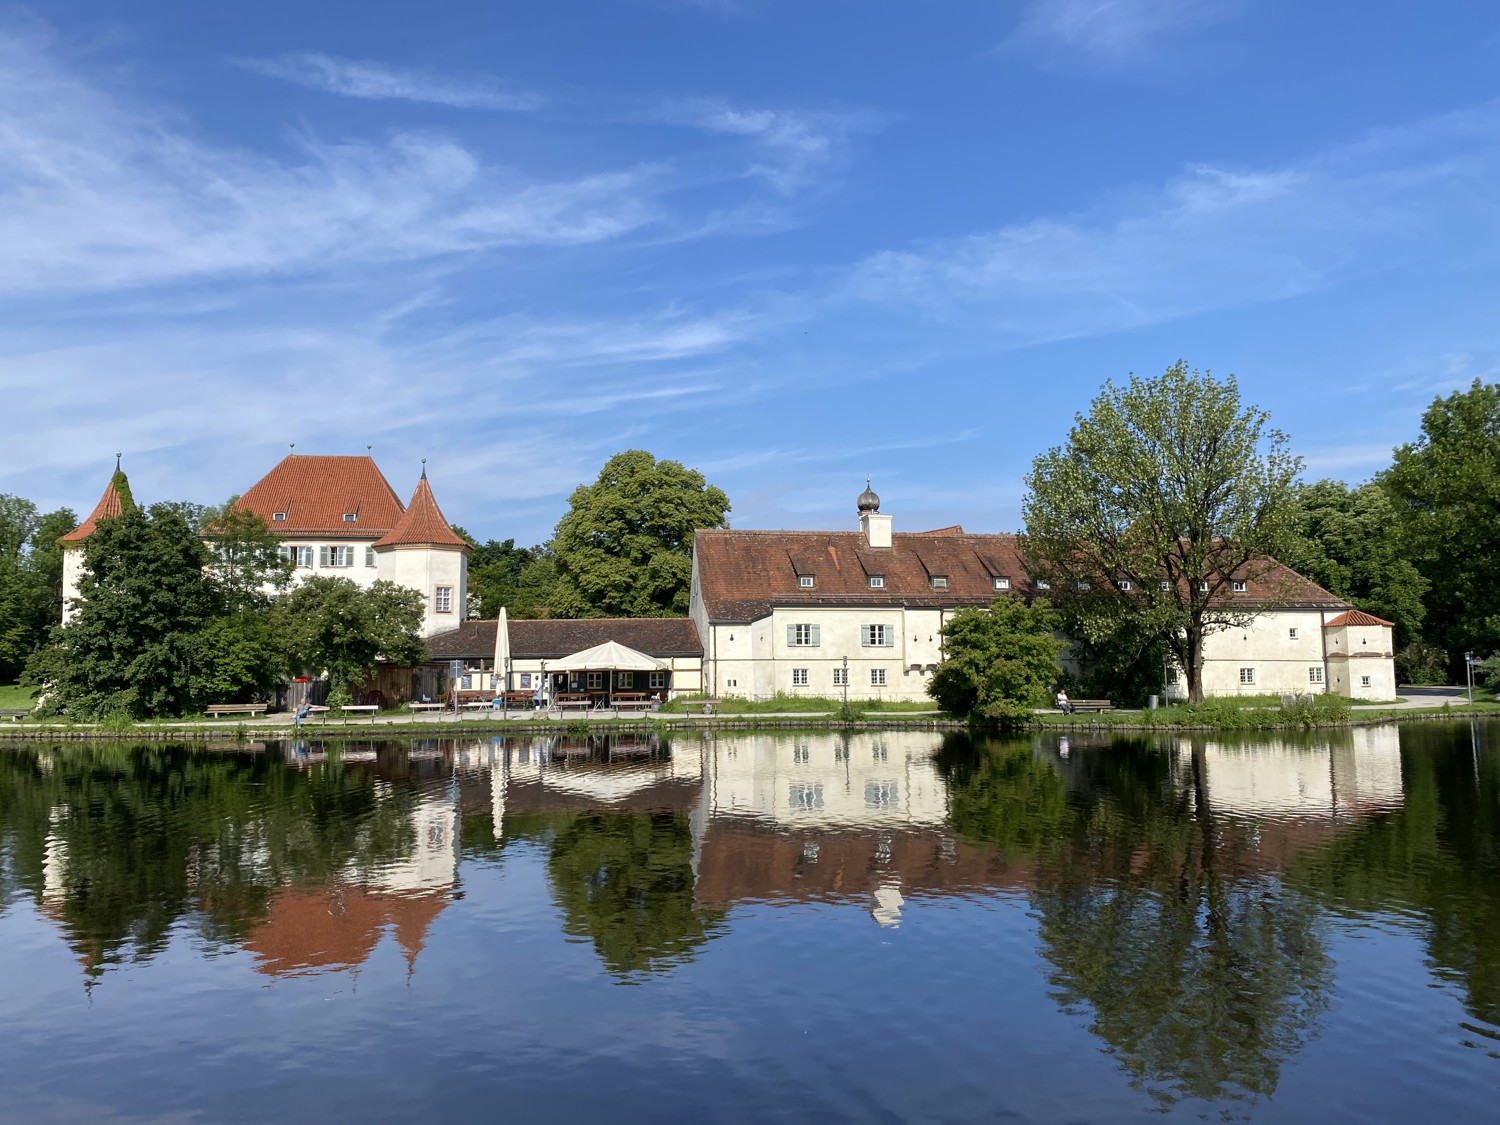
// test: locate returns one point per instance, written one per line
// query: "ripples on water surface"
(889, 926)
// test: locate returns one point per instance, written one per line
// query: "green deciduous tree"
(1166, 492)
(1446, 486)
(999, 663)
(132, 646)
(518, 579)
(332, 625)
(625, 546)
(30, 578)
(247, 568)
(1348, 541)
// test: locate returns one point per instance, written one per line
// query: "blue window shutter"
(890, 637)
(864, 635)
(791, 634)
(816, 629)
(322, 556)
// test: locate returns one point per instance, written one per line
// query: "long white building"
(825, 613)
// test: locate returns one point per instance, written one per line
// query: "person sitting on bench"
(1062, 702)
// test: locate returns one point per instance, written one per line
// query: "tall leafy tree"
(131, 647)
(625, 546)
(1166, 492)
(247, 567)
(30, 578)
(999, 663)
(519, 579)
(1446, 486)
(331, 625)
(1348, 540)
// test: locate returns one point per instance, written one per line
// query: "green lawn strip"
(14, 697)
(789, 704)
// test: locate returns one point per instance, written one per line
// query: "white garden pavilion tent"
(611, 656)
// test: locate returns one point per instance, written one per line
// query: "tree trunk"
(1194, 669)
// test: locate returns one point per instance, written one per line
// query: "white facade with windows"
(830, 613)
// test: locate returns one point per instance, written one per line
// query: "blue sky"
(787, 242)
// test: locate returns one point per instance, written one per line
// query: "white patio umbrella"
(502, 651)
(611, 656)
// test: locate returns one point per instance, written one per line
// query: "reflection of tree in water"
(1438, 858)
(141, 836)
(625, 881)
(1200, 982)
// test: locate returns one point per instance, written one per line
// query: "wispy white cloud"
(1209, 238)
(789, 148)
(357, 78)
(1113, 31)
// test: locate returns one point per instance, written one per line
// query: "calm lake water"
(878, 927)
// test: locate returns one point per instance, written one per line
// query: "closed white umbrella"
(502, 652)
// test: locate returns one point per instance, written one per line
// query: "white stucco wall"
(1361, 661)
(72, 571)
(1281, 661)
(424, 569)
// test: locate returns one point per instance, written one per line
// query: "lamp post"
(1469, 675)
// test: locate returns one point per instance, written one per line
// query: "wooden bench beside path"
(13, 716)
(219, 710)
(1092, 705)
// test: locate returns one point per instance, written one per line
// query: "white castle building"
(335, 516)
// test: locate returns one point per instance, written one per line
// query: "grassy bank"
(14, 697)
(1254, 714)
(782, 704)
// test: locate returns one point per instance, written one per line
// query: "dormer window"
(1203, 586)
(278, 517)
(806, 581)
(1084, 586)
(1043, 584)
(1124, 584)
(1238, 586)
(1002, 583)
(939, 581)
(350, 517)
(877, 582)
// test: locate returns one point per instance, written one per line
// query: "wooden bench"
(636, 703)
(426, 706)
(14, 716)
(219, 710)
(708, 705)
(574, 703)
(362, 709)
(1092, 705)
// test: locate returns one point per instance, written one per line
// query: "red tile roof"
(108, 507)
(422, 524)
(1357, 617)
(742, 575)
(532, 640)
(316, 492)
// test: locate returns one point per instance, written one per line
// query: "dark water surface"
(878, 927)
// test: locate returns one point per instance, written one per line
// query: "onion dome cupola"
(868, 500)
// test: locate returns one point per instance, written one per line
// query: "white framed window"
(1043, 584)
(593, 681)
(877, 636)
(840, 677)
(877, 677)
(303, 557)
(799, 677)
(1164, 585)
(1315, 675)
(656, 679)
(731, 683)
(1238, 586)
(1203, 586)
(803, 636)
(1084, 585)
(336, 556)
(1002, 583)
(442, 599)
(1247, 675)
(877, 582)
(939, 582)
(1364, 681)
(806, 581)
(278, 517)
(1124, 584)
(351, 517)
(1291, 634)
(625, 679)
(369, 556)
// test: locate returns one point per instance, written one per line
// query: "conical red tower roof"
(115, 500)
(422, 524)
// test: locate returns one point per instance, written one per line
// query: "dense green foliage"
(625, 546)
(1166, 492)
(30, 578)
(999, 663)
(330, 624)
(1446, 486)
(1348, 541)
(519, 580)
(132, 646)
